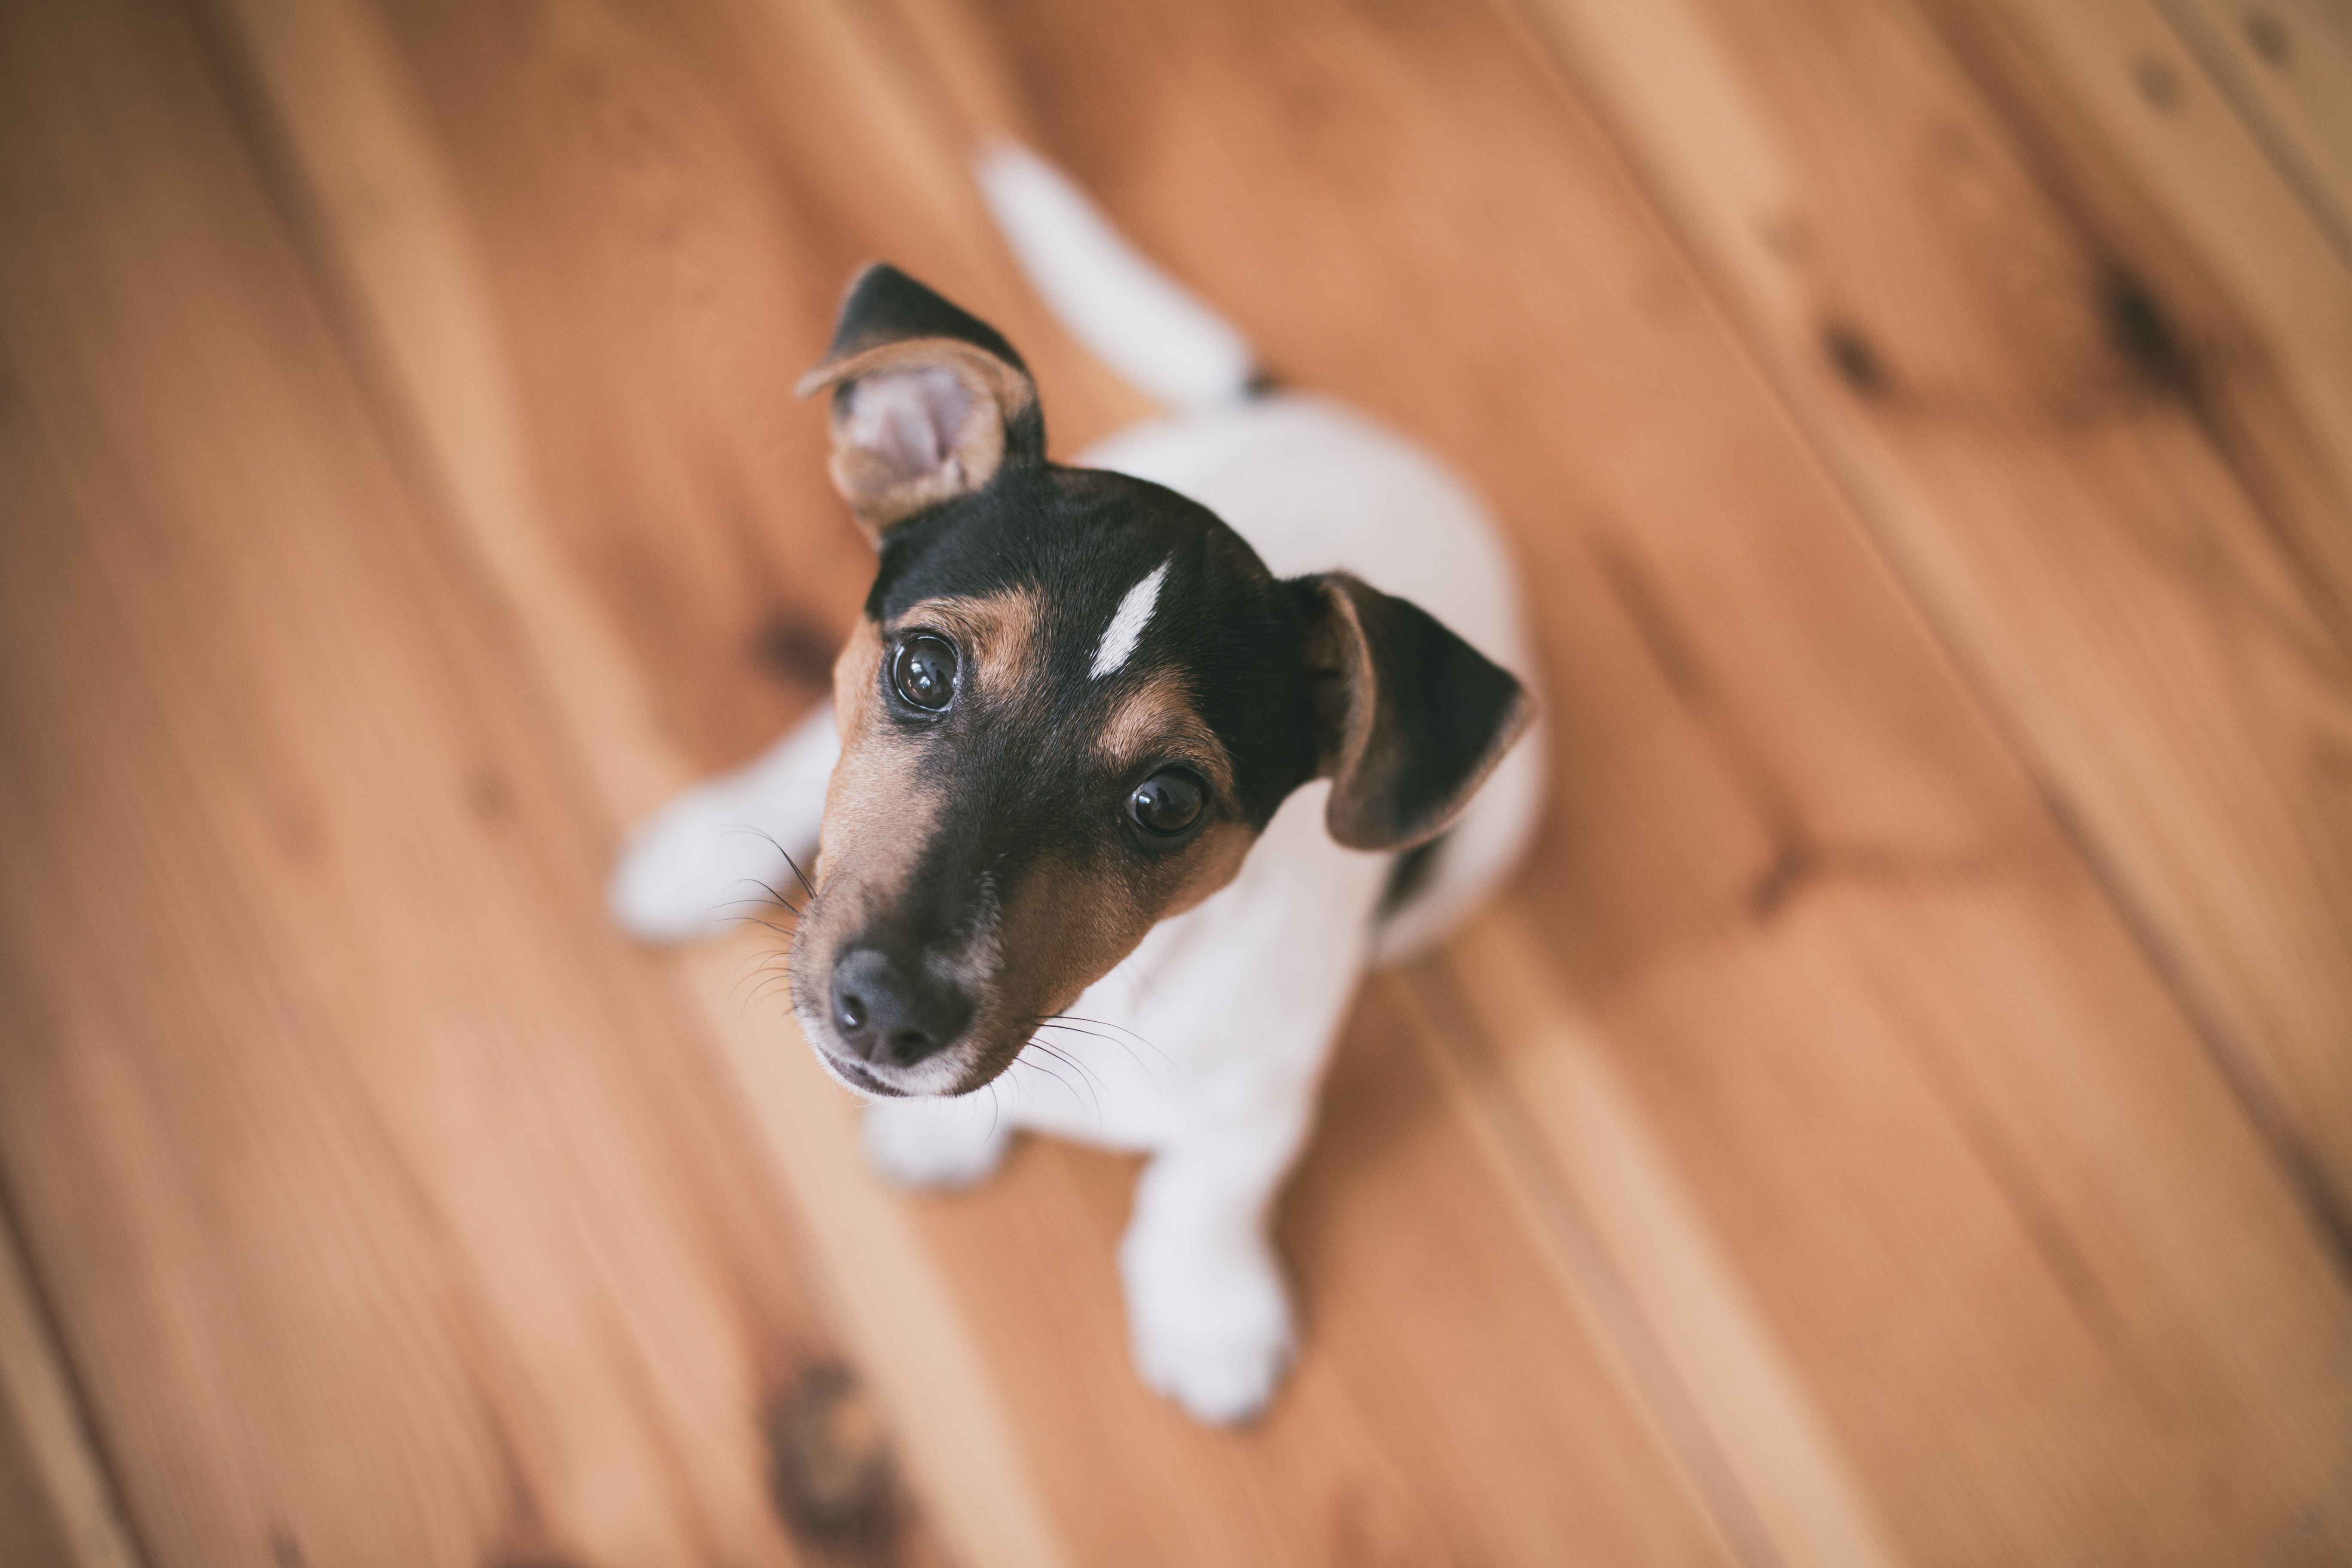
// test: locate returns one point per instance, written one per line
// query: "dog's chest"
(1223, 1008)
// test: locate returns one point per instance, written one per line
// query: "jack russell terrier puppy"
(1131, 769)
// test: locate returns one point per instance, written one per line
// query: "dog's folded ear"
(1410, 718)
(928, 402)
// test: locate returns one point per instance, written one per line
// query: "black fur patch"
(1441, 712)
(1022, 774)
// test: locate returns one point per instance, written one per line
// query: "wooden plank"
(2041, 419)
(30, 1534)
(58, 1509)
(1956, 1137)
(1423, 1425)
(392, 1212)
(1595, 1177)
(389, 235)
(1457, 1400)
(2286, 68)
(2248, 271)
(2175, 176)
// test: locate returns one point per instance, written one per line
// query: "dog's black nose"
(893, 1013)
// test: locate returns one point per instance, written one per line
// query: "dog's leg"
(716, 854)
(1206, 1305)
(936, 1142)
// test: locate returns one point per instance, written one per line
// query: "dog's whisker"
(806, 886)
(1085, 1077)
(774, 897)
(751, 965)
(1060, 1055)
(1135, 1034)
(1090, 1033)
(1056, 1021)
(1068, 1020)
(1024, 1061)
(1141, 1065)
(779, 849)
(758, 982)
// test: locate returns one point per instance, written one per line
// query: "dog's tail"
(1136, 319)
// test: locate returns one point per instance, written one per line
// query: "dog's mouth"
(855, 1074)
(965, 1065)
(969, 1072)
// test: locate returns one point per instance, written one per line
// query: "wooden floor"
(1903, 1115)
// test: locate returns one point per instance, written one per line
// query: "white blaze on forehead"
(1126, 628)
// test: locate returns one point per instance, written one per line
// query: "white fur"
(1126, 624)
(1127, 311)
(716, 854)
(1206, 1046)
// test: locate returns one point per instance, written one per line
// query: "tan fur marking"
(1339, 661)
(1158, 720)
(876, 815)
(1212, 860)
(1086, 924)
(997, 634)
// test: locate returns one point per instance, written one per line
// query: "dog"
(1131, 769)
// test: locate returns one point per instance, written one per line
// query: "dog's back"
(1310, 484)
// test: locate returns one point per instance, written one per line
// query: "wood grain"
(385, 1218)
(57, 1506)
(1587, 1165)
(2037, 412)
(388, 235)
(1830, 1154)
(2284, 66)
(2174, 176)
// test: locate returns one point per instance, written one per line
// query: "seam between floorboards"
(2324, 1209)
(254, 118)
(47, 1325)
(1615, 1309)
(1969, 40)
(2230, 84)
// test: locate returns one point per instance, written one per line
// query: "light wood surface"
(56, 1504)
(1903, 1114)
(2282, 65)
(2083, 456)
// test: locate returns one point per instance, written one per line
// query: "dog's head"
(1074, 701)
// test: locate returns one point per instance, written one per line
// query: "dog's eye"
(1167, 802)
(925, 671)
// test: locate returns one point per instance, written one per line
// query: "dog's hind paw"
(935, 1143)
(1212, 1335)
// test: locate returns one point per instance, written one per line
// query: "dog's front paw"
(693, 870)
(935, 1143)
(1212, 1328)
